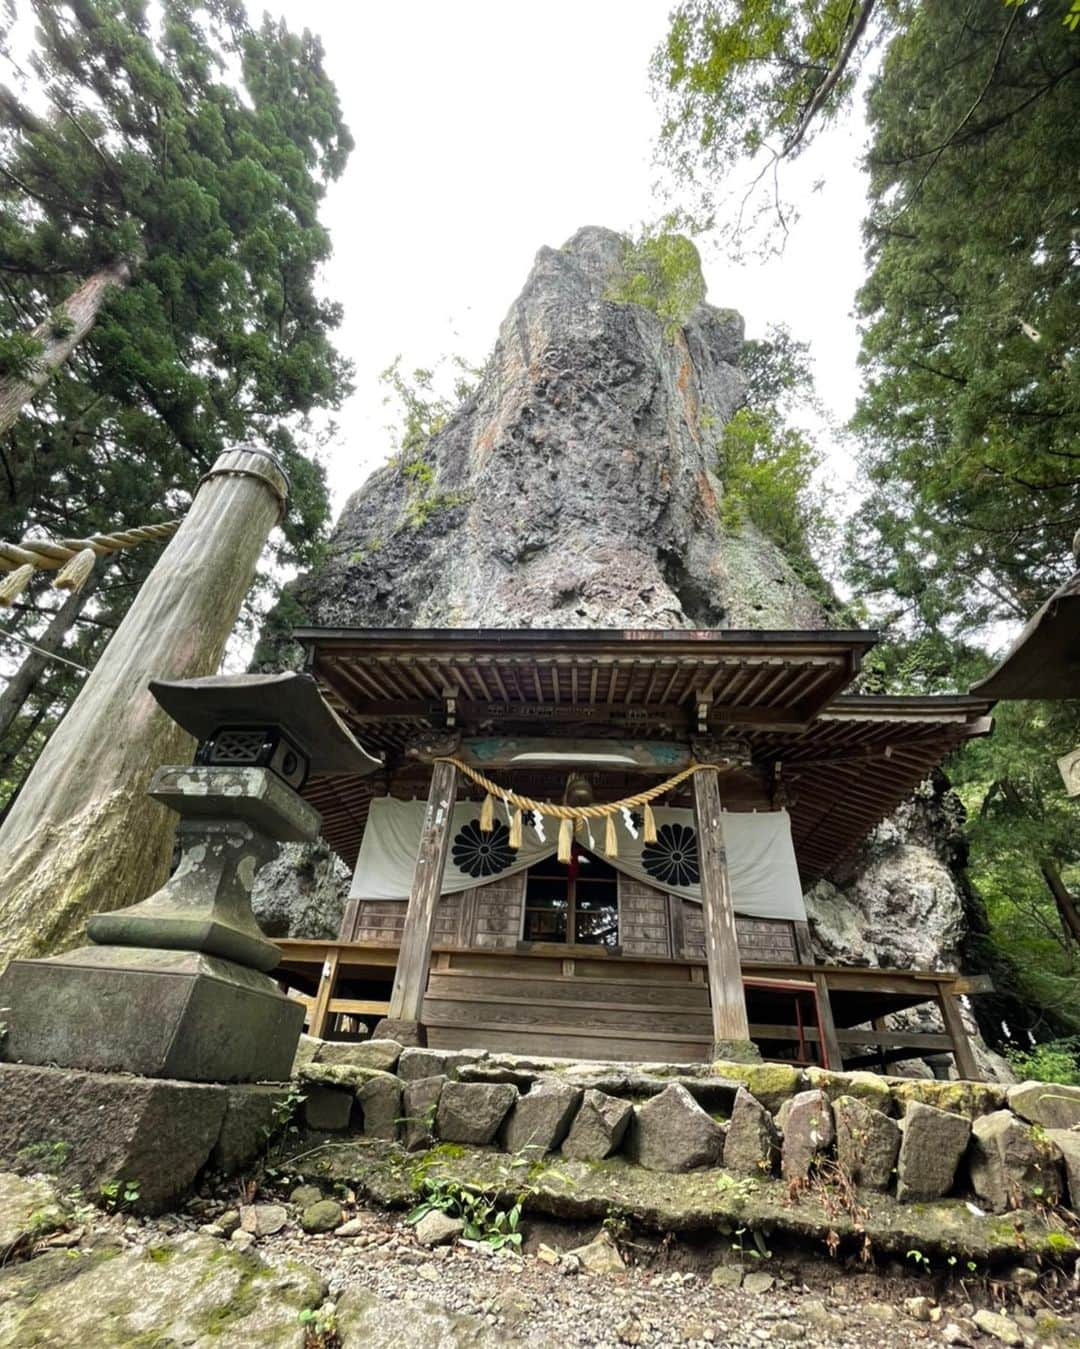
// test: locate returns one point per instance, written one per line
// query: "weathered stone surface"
(970, 1099)
(347, 1076)
(193, 1291)
(471, 1112)
(113, 1127)
(600, 1256)
(381, 1323)
(305, 1195)
(930, 1151)
(1009, 1167)
(770, 1083)
(382, 1055)
(807, 1123)
(327, 1109)
(575, 381)
(868, 1087)
(404, 1032)
(1067, 1143)
(307, 1049)
(380, 1100)
(29, 1210)
(263, 1220)
(416, 1063)
(419, 1102)
(436, 1228)
(867, 1142)
(672, 1133)
(250, 1114)
(598, 1127)
(538, 1122)
(302, 892)
(322, 1216)
(1000, 1326)
(1046, 1103)
(698, 1201)
(154, 1012)
(752, 1145)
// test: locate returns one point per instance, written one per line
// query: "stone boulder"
(867, 1143)
(1009, 1167)
(868, 1087)
(368, 1321)
(752, 1145)
(322, 1216)
(933, 1143)
(327, 1109)
(437, 1228)
(102, 1127)
(381, 1055)
(599, 1256)
(1046, 1103)
(419, 1102)
(263, 1220)
(251, 1114)
(29, 1210)
(193, 1291)
(672, 1133)
(1067, 1142)
(598, 1128)
(539, 1121)
(417, 1063)
(379, 1100)
(471, 1112)
(807, 1124)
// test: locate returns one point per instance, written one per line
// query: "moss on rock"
(971, 1099)
(771, 1083)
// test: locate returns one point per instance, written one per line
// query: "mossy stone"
(321, 1217)
(771, 1083)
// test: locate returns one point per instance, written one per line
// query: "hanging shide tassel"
(611, 838)
(14, 583)
(515, 829)
(566, 840)
(487, 814)
(72, 575)
(650, 825)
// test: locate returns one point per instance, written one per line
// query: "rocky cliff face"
(576, 488)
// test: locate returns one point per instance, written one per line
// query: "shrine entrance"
(575, 902)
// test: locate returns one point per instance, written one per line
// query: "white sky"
(487, 128)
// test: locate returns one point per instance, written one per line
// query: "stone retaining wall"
(1001, 1147)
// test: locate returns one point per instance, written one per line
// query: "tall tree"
(161, 169)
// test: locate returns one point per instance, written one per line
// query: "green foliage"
(196, 147)
(119, 1195)
(767, 465)
(320, 1327)
(971, 414)
(661, 271)
(484, 1220)
(1052, 1061)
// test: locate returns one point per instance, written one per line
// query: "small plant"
(759, 1250)
(483, 1220)
(118, 1196)
(920, 1260)
(1052, 1061)
(282, 1129)
(320, 1328)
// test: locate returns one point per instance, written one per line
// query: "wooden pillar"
(83, 836)
(414, 957)
(731, 1030)
(833, 1057)
(966, 1066)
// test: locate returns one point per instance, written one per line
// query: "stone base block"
(735, 1051)
(175, 1014)
(409, 1033)
(91, 1129)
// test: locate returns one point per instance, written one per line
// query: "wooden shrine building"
(667, 928)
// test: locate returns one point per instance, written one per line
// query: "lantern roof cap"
(291, 701)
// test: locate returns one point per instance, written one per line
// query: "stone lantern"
(177, 986)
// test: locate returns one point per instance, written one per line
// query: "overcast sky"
(487, 128)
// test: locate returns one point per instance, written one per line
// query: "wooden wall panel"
(643, 919)
(382, 920)
(498, 913)
(762, 940)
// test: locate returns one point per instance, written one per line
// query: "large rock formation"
(575, 487)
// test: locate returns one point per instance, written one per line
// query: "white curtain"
(760, 855)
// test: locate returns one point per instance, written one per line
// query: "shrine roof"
(846, 761)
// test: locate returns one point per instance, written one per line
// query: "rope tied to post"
(72, 559)
(571, 818)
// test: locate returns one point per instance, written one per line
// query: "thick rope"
(594, 812)
(72, 559)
